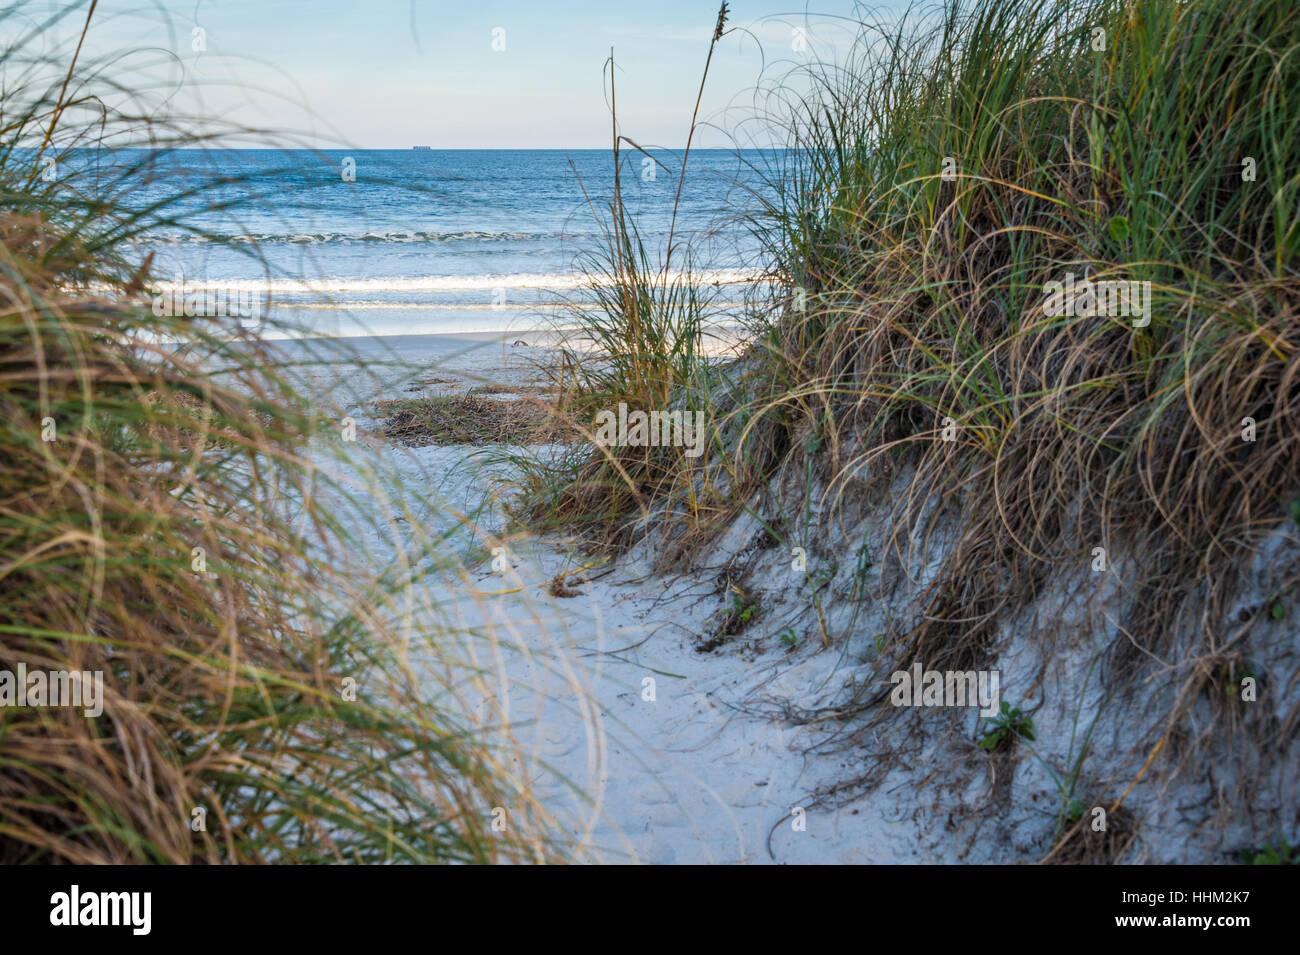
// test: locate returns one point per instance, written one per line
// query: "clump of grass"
(730, 621)
(639, 344)
(260, 704)
(927, 288)
(1093, 839)
(470, 419)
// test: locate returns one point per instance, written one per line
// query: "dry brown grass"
(473, 419)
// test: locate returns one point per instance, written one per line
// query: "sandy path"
(607, 697)
(628, 736)
(605, 692)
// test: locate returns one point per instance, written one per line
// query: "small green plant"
(1006, 726)
(743, 609)
(1269, 855)
(789, 639)
(729, 621)
(1233, 685)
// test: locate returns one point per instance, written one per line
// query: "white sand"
(682, 777)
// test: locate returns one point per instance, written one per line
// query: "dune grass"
(933, 187)
(161, 524)
(941, 182)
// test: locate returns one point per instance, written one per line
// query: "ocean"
(409, 242)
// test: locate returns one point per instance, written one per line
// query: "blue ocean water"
(388, 242)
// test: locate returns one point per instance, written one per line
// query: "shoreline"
(370, 368)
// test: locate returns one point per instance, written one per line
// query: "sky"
(467, 74)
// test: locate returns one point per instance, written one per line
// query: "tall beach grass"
(161, 524)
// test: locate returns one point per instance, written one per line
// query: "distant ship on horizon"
(422, 148)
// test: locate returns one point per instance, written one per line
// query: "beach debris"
(559, 589)
(471, 419)
(730, 621)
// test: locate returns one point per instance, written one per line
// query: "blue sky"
(395, 73)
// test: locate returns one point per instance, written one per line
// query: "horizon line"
(417, 147)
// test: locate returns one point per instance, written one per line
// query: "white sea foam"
(320, 238)
(552, 281)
